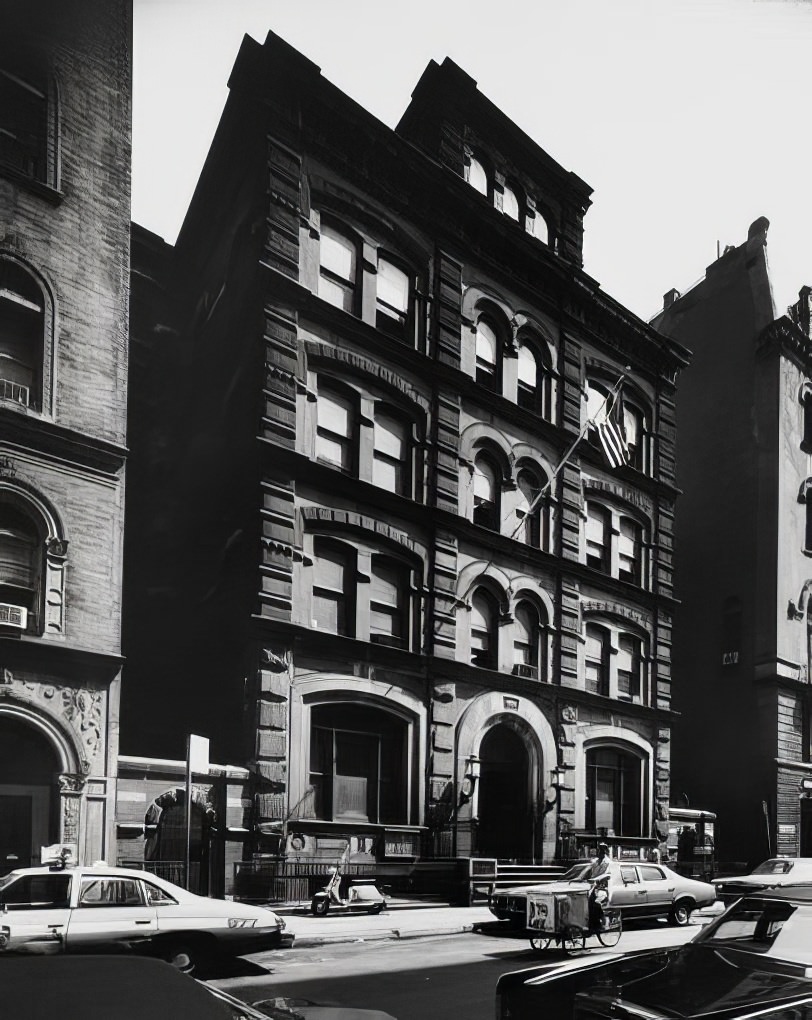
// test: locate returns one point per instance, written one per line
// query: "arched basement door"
(505, 816)
(29, 803)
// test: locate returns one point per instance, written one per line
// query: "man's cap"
(603, 846)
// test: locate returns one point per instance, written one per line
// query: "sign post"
(197, 760)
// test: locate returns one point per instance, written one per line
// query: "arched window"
(484, 616)
(392, 297)
(539, 228)
(597, 659)
(529, 642)
(391, 457)
(487, 354)
(389, 602)
(510, 203)
(598, 528)
(613, 792)
(535, 382)
(20, 568)
(338, 268)
(22, 335)
(597, 396)
(333, 588)
(487, 488)
(335, 430)
(535, 528)
(477, 176)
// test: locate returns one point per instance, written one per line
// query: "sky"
(689, 118)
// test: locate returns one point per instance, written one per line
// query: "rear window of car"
(37, 892)
(773, 868)
(110, 892)
(155, 894)
(773, 928)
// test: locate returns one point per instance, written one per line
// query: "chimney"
(670, 297)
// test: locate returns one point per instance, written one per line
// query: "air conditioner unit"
(13, 616)
(525, 669)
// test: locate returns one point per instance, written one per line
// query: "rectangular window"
(337, 269)
(628, 551)
(23, 126)
(390, 453)
(334, 431)
(392, 295)
(597, 551)
(331, 604)
(629, 663)
(387, 616)
(597, 665)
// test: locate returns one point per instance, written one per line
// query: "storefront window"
(357, 764)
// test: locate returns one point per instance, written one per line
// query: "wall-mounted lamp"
(469, 780)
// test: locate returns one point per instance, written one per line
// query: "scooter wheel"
(320, 906)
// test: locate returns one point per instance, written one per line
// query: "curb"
(312, 941)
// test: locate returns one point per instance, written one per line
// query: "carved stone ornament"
(57, 547)
(71, 782)
(276, 662)
(568, 714)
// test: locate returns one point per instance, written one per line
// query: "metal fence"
(172, 871)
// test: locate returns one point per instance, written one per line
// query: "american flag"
(611, 432)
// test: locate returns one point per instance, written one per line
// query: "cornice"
(41, 437)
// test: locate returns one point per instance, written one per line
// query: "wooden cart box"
(558, 908)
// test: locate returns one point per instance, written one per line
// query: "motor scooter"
(341, 894)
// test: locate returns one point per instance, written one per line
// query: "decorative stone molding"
(71, 783)
(275, 661)
(367, 367)
(616, 609)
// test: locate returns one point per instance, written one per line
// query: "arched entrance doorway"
(29, 806)
(505, 812)
(165, 848)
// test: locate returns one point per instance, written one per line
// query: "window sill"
(40, 188)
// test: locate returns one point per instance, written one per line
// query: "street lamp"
(469, 781)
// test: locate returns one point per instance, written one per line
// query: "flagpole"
(612, 395)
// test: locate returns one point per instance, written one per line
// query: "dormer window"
(477, 176)
(510, 203)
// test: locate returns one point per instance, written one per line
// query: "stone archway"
(506, 812)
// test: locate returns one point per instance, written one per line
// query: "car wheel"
(187, 957)
(320, 906)
(681, 913)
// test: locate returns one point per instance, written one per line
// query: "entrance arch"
(505, 808)
(29, 798)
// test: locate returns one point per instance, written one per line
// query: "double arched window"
(615, 662)
(534, 390)
(614, 543)
(535, 509)
(365, 437)
(363, 592)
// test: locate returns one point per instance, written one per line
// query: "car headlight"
(242, 922)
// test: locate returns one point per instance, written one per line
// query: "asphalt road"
(415, 979)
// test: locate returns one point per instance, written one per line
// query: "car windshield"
(775, 867)
(7, 879)
(577, 872)
(774, 928)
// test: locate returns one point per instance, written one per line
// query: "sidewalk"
(402, 919)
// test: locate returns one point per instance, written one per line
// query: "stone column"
(71, 787)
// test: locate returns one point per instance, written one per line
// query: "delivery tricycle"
(566, 914)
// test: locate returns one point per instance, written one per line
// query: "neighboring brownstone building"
(743, 556)
(378, 587)
(64, 281)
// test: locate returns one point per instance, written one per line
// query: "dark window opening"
(613, 794)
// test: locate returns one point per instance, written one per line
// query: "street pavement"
(403, 919)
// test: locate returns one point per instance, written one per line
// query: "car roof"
(99, 868)
(113, 987)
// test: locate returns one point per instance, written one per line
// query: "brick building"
(64, 282)
(743, 548)
(396, 579)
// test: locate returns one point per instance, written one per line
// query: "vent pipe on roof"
(670, 297)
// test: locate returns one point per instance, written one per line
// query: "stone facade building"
(743, 549)
(399, 581)
(64, 282)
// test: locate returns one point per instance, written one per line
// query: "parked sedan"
(57, 909)
(638, 889)
(754, 960)
(771, 874)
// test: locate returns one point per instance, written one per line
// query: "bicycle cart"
(566, 916)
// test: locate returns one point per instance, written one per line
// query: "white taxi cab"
(62, 908)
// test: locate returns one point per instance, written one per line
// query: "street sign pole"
(197, 760)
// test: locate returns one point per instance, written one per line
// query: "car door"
(659, 891)
(628, 893)
(35, 911)
(110, 909)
